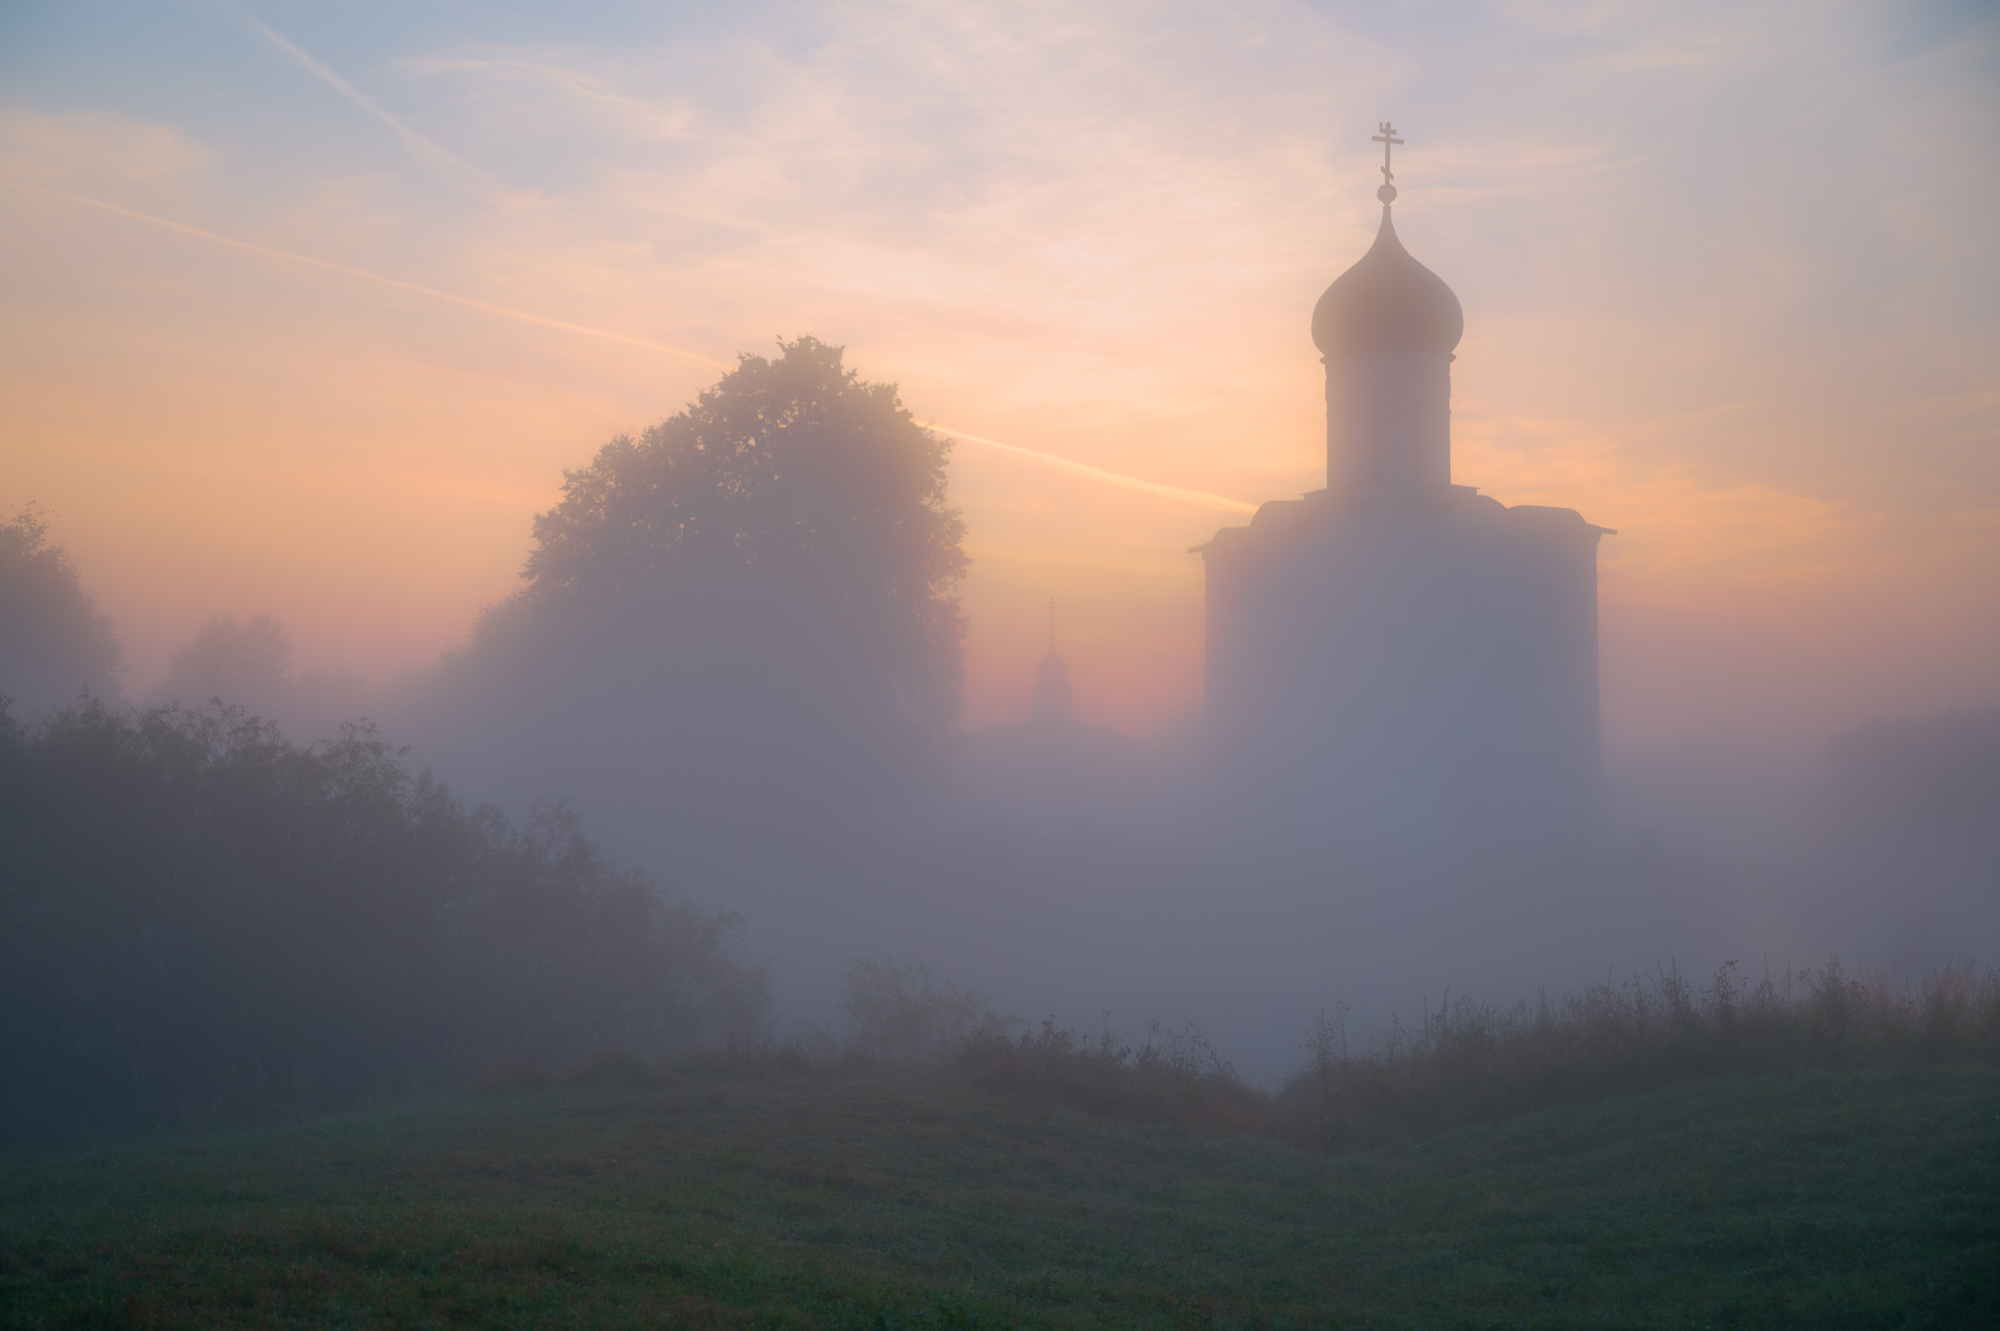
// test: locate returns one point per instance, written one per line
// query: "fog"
(1036, 613)
(733, 665)
(734, 660)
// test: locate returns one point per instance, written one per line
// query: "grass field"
(746, 1195)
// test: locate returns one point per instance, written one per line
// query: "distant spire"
(1387, 137)
(1052, 679)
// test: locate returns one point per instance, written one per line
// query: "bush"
(1173, 1076)
(899, 1014)
(203, 925)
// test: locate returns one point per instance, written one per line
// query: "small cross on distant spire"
(1052, 623)
(1387, 138)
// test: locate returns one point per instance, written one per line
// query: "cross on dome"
(1387, 138)
(1387, 301)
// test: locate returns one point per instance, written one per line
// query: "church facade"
(1397, 657)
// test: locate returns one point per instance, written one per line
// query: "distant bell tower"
(1396, 658)
(1052, 680)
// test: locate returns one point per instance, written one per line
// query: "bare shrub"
(1173, 1076)
(899, 1014)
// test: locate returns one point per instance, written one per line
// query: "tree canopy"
(760, 592)
(53, 639)
(236, 663)
(250, 665)
(792, 486)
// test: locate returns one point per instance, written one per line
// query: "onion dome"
(1387, 302)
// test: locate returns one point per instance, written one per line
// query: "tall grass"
(1465, 1061)
(1459, 1063)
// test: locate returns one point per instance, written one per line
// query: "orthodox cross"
(1052, 623)
(1386, 138)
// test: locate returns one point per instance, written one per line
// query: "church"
(1396, 658)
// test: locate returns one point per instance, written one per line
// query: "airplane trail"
(453, 170)
(1050, 460)
(1202, 497)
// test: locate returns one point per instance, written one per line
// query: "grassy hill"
(749, 1195)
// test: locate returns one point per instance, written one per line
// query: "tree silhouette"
(53, 639)
(249, 665)
(757, 593)
(202, 925)
(237, 664)
(791, 485)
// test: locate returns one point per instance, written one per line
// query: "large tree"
(752, 603)
(790, 487)
(54, 642)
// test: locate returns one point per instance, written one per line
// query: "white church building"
(1396, 657)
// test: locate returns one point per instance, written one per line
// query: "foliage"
(53, 639)
(748, 613)
(201, 925)
(790, 484)
(747, 1192)
(249, 665)
(229, 661)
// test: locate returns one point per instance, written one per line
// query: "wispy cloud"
(644, 118)
(1096, 230)
(43, 148)
(1082, 469)
(348, 270)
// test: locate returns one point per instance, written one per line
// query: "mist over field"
(733, 667)
(724, 660)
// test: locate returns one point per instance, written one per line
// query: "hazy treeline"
(250, 665)
(53, 638)
(202, 924)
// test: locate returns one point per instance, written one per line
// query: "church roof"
(1387, 302)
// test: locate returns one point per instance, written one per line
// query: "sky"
(306, 308)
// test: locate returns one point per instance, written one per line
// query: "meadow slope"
(747, 1194)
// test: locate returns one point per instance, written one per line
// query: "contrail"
(1083, 469)
(522, 316)
(1201, 497)
(455, 170)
